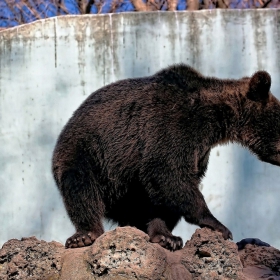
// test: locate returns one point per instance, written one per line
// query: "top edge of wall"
(53, 20)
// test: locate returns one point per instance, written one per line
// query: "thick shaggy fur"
(136, 150)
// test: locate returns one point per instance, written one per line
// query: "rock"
(75, 265)
(208, 256)
(126, 253)
(30, 258)
(260, 262)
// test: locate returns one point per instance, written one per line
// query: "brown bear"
(136, 150)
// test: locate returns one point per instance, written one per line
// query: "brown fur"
(136, 150)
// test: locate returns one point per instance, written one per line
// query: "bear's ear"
(259, 86)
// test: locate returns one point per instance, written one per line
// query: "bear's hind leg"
(159, 233)
(84, 206)
(81, 239)
(135, 209)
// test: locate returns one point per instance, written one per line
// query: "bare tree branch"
(206, 4)
(193, 5)
(82, 4)
(61, 7)
(223, 4)
(172, 5)
(139, 5)
(266, 4)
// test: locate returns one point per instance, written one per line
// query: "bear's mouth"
(273, 159)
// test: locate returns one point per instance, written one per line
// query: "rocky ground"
(126, 253)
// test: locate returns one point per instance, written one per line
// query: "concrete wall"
(49, 67)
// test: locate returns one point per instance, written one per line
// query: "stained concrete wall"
(49, 67)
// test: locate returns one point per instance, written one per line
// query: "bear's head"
(261, 119)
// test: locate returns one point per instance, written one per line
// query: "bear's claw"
(171, 243)
(80, 239)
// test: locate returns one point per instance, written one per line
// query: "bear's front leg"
(213, 223)
(197, 212)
